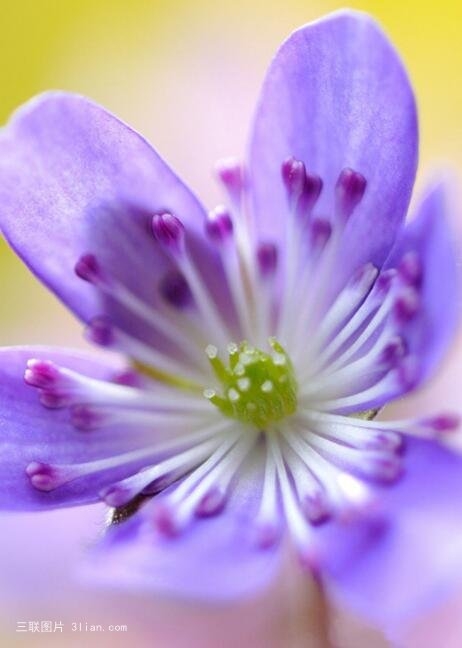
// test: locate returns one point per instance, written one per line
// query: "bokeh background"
(186, 74)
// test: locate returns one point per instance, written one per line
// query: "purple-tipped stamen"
(293, 175)
(320, 231)
(410, 269)
(45, 477)
(175, 290)
(349, 191)
(267, 258)
(100, 331)
(86, 418)
(212, 503)
(89, 269)
(169, 231)
(219, 225)
(442, 422)
(406, 305)
(42, 374)
(310, 193)
(231, 174)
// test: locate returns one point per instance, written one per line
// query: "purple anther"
(293, 175)
(42, 374)
(410, 269)
(175, 290)
(385, 440)
(43, 477)
(406, 305)
(407, 373)
(169, 231)
(386, 467)
(85, 417)
(267, 535)
(128, 378)
(163, 519)
(99, 331)
(160, 483)
(393, 352)
(55, 399)
(316, 508)
(349, 191)
(212, 503)
(219, 225)
(443, 422)
(267, 258)
(310, 193)
(116, 495)
(384, 281)
(320, 231)
(88, 269)
(231, 174)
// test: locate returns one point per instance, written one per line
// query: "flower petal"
(428, 234)
(407, 555)
(213, 559)
(74, 180)
(336, 96)
(29, 432)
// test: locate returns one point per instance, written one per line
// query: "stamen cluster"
(292, 411)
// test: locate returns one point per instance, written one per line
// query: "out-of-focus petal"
(428, 241)
(74, 180)
(336, 95)
(393, 564)
(214, 559)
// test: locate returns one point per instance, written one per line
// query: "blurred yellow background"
(186, 74)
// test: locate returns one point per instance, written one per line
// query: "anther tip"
(350, 189)
(41, 476)
(219, 225)
(445, 422)
(267, 257)
(211, 504)
(231, 174)
(175, 290)
(320, 231)
(164, 521)
(85, 418)
(87, 268)
(293, 174)
(410, 269)
(169, 231)
(116, 495)
(99, 331)
(41, 373)
(406, 305)
(266, 535)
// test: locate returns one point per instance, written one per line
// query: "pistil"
(258, 388)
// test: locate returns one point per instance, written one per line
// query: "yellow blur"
(187, 74)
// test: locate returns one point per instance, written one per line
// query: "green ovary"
(257, 388)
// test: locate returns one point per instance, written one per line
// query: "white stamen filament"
(345, 379)
(216, 328)
(297, 523)
(188, 339)
(218, 477)
(235, 271)
(149, 356)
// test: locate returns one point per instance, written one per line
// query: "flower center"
(258, 388)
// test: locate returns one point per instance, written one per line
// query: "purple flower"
(259, 340)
